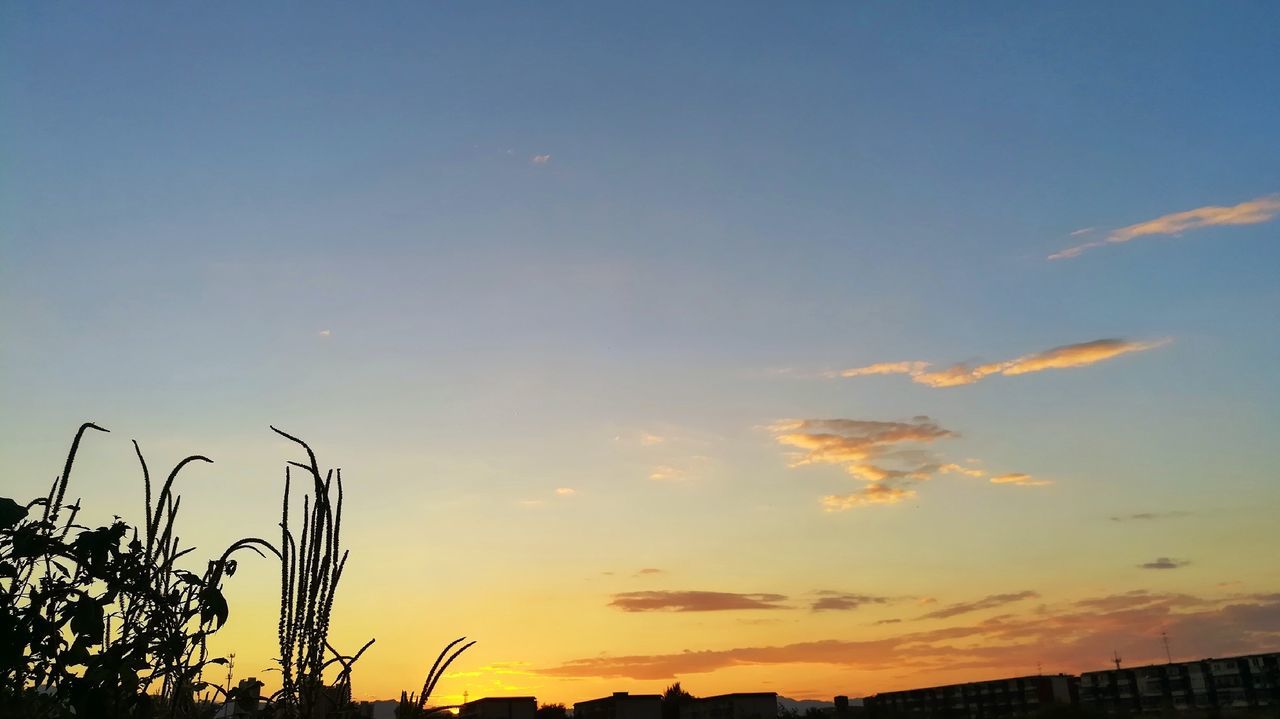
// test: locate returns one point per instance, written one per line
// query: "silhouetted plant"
(311, 567)
(414, 706)
(674, 697)
(61, 653)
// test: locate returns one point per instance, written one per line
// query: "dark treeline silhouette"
(105, 622)
(552, 711)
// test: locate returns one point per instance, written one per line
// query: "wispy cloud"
(884, 368)
(540, 159)
(565, 491)
(888, 455)
(1149, 516)
(666, 473)
(694, 601)
(952, 468)
(1250, 212)
(988, 602)
(1081, 354)
(1019, 479)
(844, 601)
(325, 333)
(1069, 637)
(650, 571)
(1164, 563)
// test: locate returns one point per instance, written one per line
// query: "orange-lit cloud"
(952, 468)
(1020, 479)
(871, 494)
(843, 601)
(988, 602)
(852, 442)
(886, 455)
(1069, 637)
(565, 491)
(666, 473)
(1082, 354)
(1251, 212)
(694, 601)
(884, 368)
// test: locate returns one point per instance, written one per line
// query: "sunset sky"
(821, 348)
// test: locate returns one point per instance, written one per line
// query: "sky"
(822, 349)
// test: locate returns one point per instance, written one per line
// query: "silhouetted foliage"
(414, 706)
(310, 568)
(62, 585)
(103, 622)
(674, 697)
(552, 711)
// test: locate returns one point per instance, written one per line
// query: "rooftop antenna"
(1039, 669)
(464, 696)
(1115, 657)
(1165, 637)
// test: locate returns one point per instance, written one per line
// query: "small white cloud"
(540, 159)
(325, 333)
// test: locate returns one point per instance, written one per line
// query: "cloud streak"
(694, 601)
(988, 602)
(1250, 212)
(1019, 479)
(829, 600)
(1149, 516)
(1070, 356)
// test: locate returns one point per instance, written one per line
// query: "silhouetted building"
(842, 708)
(499, 708)
(746, 705)
(1232, 682)
(1015, 697)
(620, 705)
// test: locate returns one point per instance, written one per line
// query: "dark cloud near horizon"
(1148, 516)
(695, 601)
(844, 601)
(1070, 637)
(1165, 563)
